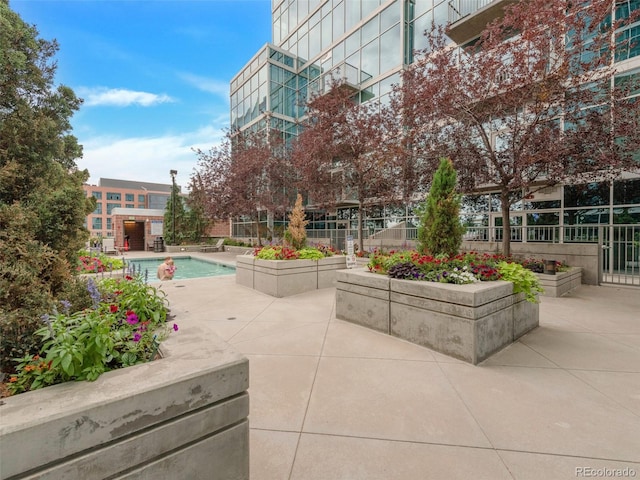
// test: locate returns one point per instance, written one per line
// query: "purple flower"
(137, 337)
(175, 327)
(93, 292)
(132, 318)
(66, 305)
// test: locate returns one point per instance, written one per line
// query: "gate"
(620, 255)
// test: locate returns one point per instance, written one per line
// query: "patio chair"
(218, 247)
(109, 246)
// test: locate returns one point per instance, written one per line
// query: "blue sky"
(154, 76)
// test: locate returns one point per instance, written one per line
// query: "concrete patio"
(332, 400)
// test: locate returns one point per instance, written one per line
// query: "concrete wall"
(283, 278)
(183, 416)
(469, 322)
(561, 283)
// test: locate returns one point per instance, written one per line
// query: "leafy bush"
(310, 254)
(232, 242)
(524, 280)
(280, 252)
(98, 263)
(123, 327)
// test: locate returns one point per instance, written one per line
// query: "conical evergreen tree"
(296, 234)
(440, 231)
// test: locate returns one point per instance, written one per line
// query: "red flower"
(113, 308)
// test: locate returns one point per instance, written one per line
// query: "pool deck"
(332, 400)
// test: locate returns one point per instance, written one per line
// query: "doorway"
(134, 231)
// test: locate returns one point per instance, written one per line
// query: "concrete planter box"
(561, 283)
(283, 278)
(468, 322)
(183, 416)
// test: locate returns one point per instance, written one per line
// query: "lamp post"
(173, 174)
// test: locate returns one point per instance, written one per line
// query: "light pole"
(173, 174)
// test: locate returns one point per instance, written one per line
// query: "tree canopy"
(248, 173)
(341, 155)
(42, 203)
(533, 102)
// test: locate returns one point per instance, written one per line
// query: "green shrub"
(310, 254)
(123, 327)
(523, 279)
(440, 231)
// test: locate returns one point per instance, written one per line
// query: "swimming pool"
(187, 267)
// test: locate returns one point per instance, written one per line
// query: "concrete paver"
(332, 400)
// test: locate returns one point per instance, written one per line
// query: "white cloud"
(146, 159)
(219, 88)
(119, 97)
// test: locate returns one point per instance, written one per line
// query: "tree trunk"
(506, 224)
(258, 229)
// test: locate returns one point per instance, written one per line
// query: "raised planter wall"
(468, 322)
(283, 278)
(183, 416)
(561, 283)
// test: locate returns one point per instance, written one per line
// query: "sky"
(154, 76)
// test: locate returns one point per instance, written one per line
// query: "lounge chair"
(218, 247)
(109, 246)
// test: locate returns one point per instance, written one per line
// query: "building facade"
(112, 193)
(368, 43)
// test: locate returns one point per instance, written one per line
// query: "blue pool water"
(187, 267)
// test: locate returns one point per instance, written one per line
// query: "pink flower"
(175, 327)
(137, 337)
(132, 318)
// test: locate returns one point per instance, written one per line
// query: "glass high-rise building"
(368, 43)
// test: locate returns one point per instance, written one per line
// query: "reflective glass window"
(96, 223)
(626, 192)
(586, 216)
(303, 47)
(97, 195)
(422, 6)
(546, 218)
(337, 54)
(352, 13)
(370, 60)
(369, 30)
(111, 206)
(352, 44)
(315, 41)
(338, 20)
(588, 194)
(626, 215)
(390, 49)
(420, 26)
(129, 197)
(389, 17)
(326, 32)
(528, 205)
(98, 209)
(368, 6)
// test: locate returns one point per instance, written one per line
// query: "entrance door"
(516, 222)
(135, 232)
